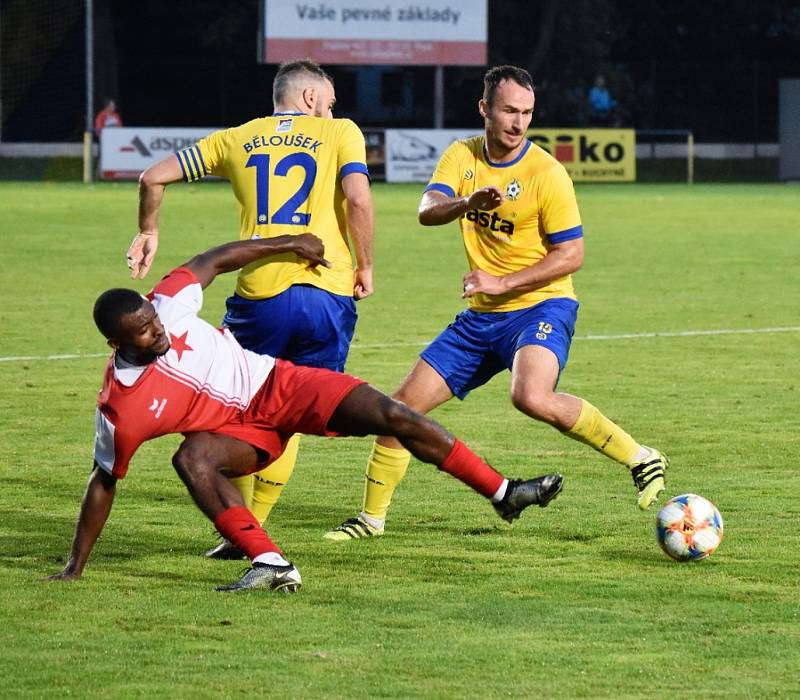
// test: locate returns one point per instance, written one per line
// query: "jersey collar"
(289, 114)
(511, 162)
(125, 372)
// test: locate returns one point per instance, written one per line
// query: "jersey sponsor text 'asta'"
(491, 221)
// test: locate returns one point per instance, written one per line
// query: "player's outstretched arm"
(152, 184)
(437, 208)
(232, 256)
(95, 507)
(360, 226)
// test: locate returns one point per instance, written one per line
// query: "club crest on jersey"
(284, 125)
(468, 175)
(513, 190)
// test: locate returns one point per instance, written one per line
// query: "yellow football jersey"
(539, 210)
(286, 174)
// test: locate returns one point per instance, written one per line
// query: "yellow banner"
(591, 155)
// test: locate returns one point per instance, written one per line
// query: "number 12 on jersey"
(287, 213)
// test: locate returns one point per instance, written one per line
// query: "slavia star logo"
(179, 345)
(513, 190)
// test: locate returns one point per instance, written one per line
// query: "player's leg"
(453, 364)
(268, 484)
(307, 326)
(365, 410)
(202, 461)
(252, 322)
(446, 364)
(534, 375)
(422, 390)
(224, 549)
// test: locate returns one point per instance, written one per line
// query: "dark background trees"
(711, 66)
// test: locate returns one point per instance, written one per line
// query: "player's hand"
(308, 246)
(142, 253)
(480, 282)
(486, 198)
(362, 283)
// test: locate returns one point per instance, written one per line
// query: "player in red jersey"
(171, 372)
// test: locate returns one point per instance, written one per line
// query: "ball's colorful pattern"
(689, 527)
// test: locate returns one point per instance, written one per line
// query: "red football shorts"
(293, 399)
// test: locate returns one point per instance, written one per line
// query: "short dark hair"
(111, 306)
(495, 76)
(291, 69)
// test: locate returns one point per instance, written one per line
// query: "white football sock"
(377, 523)
(501, 492)
(271, 558)
(640, 456)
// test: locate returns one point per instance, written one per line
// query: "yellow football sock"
(269, 482)
(245, 486)
(594, 429)
(385, 470)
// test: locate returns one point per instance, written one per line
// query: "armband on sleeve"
(192, 163)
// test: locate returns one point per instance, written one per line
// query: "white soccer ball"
(689, 527)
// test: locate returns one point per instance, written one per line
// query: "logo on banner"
(158, 143)
(411, 148)
(583, 149)
(136, 145)
(591, 154)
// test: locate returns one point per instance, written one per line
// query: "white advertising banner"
(393, 32)
(412, 154)
(126, 151)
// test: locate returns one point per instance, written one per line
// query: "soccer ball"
(689, 527)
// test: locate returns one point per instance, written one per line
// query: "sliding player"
(171, 372)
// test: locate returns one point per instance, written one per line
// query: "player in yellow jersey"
(523, 238)
(297, 171)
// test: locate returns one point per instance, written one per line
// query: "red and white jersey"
(205, 381)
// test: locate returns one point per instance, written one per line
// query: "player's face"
(326, 99)
(142, 336)
(508, 117)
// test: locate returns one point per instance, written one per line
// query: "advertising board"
(376, 32)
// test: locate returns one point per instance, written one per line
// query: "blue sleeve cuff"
(440, 187)
(355, 167)
(567, 235)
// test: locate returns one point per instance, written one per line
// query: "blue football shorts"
(476, 346)
(304, 324)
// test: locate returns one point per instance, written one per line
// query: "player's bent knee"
(411, 398)
(535, 405)
(404, 396)
(191, 461)
(398, 418)
(184, 465)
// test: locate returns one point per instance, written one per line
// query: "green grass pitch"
(687, 336)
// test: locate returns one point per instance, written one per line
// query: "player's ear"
(483, 107)
(310, 97)
(113, 344)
